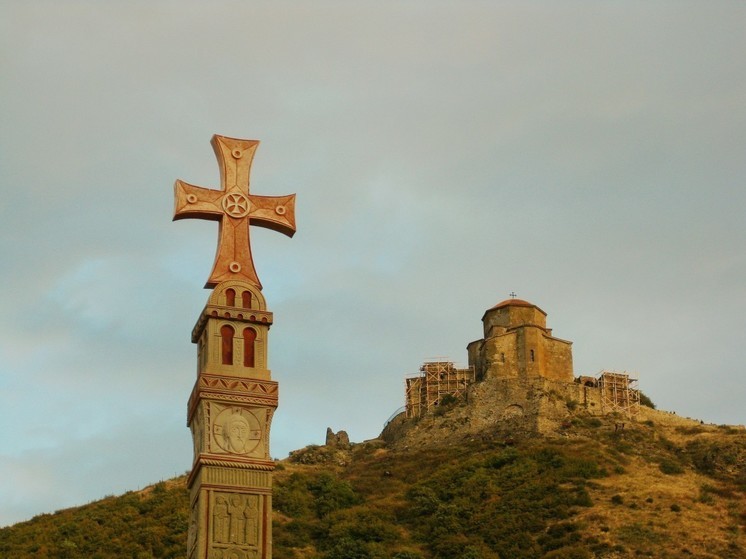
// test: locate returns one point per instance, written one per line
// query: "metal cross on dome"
(235, 209)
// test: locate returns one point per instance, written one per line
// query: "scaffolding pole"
(619, 393)
(437, 379)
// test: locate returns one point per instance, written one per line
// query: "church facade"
(518, 344)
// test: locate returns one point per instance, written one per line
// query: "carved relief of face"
(236, 432)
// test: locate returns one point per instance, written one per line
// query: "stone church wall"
(557, 359)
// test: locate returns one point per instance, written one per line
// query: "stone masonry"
(234, 397)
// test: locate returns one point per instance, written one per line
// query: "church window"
(230, 297)
(502, 357)
(246, 299)
(249, 337)
(532, 355)
(226, 335)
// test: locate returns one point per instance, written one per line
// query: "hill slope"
(650, 490)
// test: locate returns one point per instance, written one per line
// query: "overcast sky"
(587, 155)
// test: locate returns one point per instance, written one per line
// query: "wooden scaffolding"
(619, 393)
(435, 380)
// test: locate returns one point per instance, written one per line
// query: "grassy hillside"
(651, 490)
(148, 523)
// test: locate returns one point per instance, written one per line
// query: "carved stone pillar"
(229, 413)
(230, 409)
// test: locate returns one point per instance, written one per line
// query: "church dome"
(514, 303)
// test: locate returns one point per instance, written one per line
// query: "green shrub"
(331, 494)
(349, 548)
(292, 496)
(296, 533)
(574, 552)
(715, 458)
(559, 535)
(646, 401)
(497, 461)
(447, 402)
(363, 525)
(670, 467)
(406, 555)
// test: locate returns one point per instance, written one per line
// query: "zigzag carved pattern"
(240, 385)
(250, 391)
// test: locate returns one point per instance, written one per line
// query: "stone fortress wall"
(522, 379)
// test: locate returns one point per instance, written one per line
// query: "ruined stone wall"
(509, 407)
(533, 403)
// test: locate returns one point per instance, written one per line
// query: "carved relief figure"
(251, 514)
(236, 510)
(220, 520)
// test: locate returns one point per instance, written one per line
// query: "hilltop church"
(520, 375)
(517, 343)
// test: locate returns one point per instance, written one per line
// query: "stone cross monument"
(231, 406)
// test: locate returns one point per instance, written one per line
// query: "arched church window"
(230, 297)
(246, 299)
(226, 335)
(249, 337)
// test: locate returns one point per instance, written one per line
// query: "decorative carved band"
(266, 466)
(231, 389)
(236, 477)
(232, 384)
(252, 316)
(264, 402)
(224, 462)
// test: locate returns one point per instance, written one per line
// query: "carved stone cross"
(235, 209)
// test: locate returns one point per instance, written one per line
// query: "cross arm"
(195, 201)
(274, 212)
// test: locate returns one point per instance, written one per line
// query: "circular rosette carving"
(237, 431)
(236, 204)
